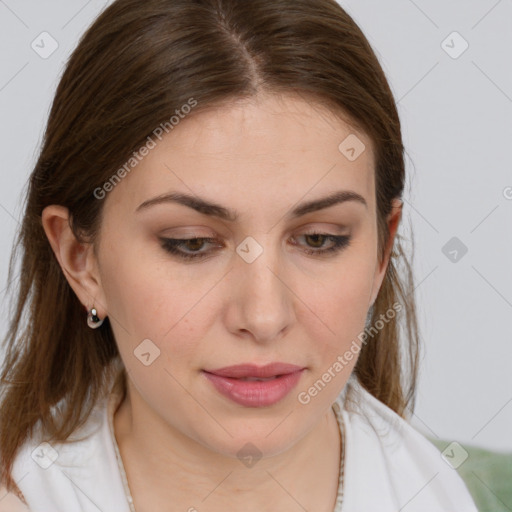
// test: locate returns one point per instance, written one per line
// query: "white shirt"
(389, 466)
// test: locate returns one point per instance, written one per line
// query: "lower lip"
(255, 393)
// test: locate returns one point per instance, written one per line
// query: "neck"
(165, 465)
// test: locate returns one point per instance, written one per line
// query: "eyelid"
(333, 230)
(213, 232)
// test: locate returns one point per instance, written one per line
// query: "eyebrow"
(215, 210)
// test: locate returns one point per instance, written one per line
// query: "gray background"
(455, 109)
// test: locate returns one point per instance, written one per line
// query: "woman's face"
(261, 290)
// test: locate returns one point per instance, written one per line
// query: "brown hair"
(137, 63)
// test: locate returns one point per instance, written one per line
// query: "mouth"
(253, 386)
(252, 371)
(257, 379)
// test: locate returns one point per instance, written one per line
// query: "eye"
(337, 243)
(191, 248)
(176, 245)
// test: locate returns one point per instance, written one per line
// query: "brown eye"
(316, 241)
(187, 248)
(192, 243)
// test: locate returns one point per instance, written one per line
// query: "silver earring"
(93, 321)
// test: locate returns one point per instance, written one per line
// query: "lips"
(255, 386)
(249, 371)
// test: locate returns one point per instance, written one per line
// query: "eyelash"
(172, 245)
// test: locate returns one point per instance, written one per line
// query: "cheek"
(151, 299)
(338, 304)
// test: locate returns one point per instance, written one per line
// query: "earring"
(93, 321)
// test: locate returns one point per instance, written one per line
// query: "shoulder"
(79, 474)
(385, 453)
(9, 502)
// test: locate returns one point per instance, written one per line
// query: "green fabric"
(487, 475)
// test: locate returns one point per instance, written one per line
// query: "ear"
(77, 260)
(393, 220)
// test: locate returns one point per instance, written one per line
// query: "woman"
(209, 270)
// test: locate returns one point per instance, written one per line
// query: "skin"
(178, 436)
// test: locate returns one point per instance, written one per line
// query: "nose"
(261, 305)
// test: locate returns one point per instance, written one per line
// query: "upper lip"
(251, 370)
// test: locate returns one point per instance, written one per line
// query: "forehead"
(266, 148)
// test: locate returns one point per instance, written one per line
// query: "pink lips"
(229, 381)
